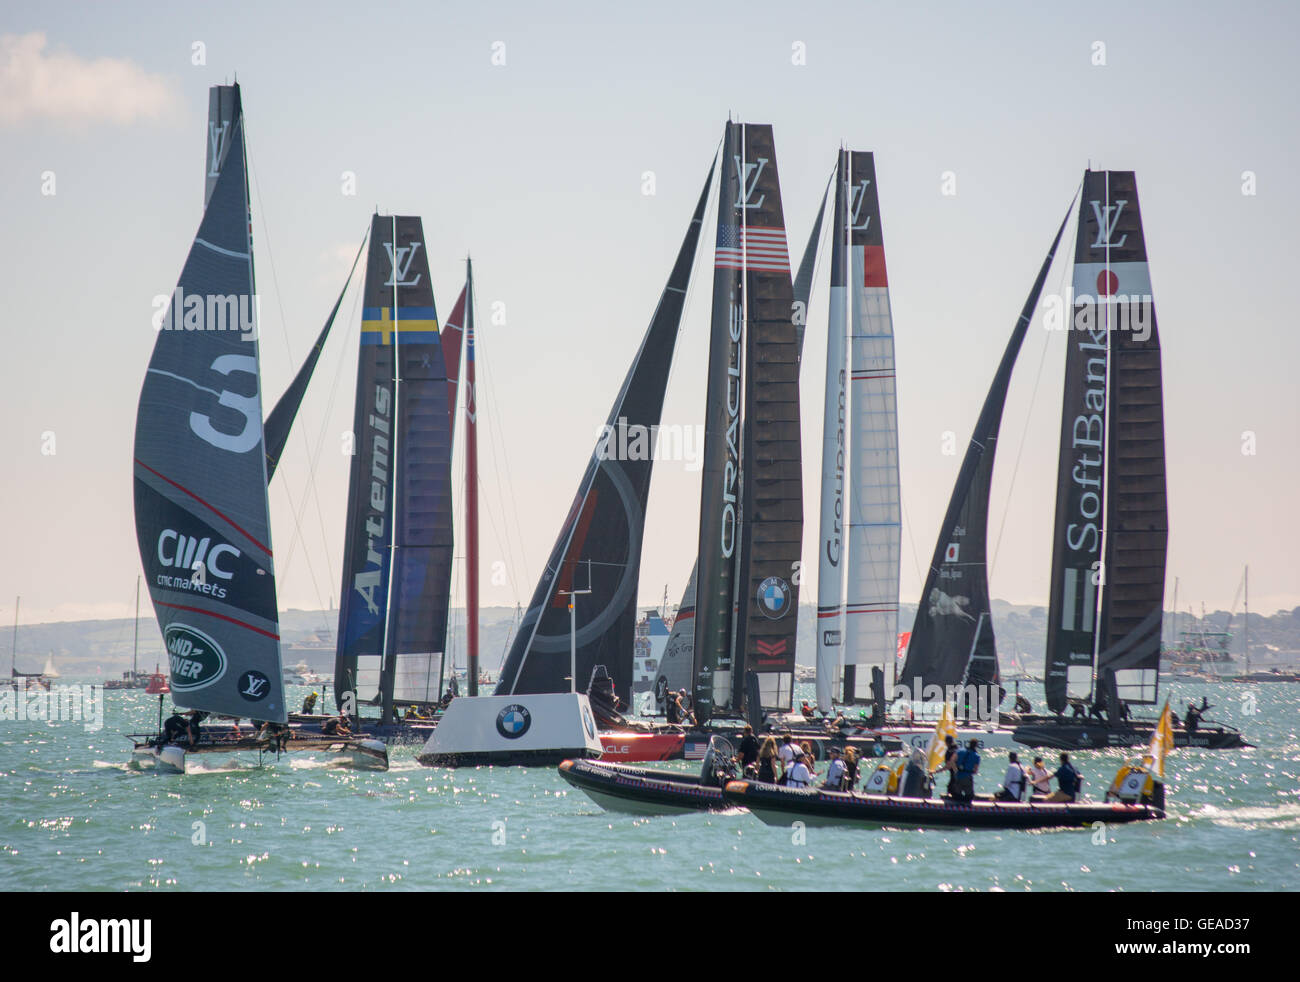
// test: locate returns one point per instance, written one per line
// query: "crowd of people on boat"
(791, 763)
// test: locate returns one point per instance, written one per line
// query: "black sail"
(952, 627)
(718, 551)
(280, 421)
(677, 666)
(599, 545)
(771, 459)
(1137, 518)
(1076, 574)
(363, 595)
(201, 514)
(422, 518)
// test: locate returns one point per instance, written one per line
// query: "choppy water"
(74, 816)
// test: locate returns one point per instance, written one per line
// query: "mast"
(1246, 615)
(387, 678)
(831, 551)
(471, 488)
(13, 645)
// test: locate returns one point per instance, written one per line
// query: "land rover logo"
(588, 722)
(513, 721)
(196, 660)
(774, 597)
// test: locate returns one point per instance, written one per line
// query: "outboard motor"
(718, 767)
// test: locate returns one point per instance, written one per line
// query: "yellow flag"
(1162, 741)
(938, 746)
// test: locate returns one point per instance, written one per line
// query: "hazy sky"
(537, 167)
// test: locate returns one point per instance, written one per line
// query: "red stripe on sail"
(873, 266)
(225, 518)
(220, 617)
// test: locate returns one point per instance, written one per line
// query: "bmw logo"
(774, 597)
(588, 722)
(513, 721)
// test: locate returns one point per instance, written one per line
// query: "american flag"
(763, 247)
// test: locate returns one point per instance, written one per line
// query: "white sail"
(50, 671)
(874, 512)
(831, 542)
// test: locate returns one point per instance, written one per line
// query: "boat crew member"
(1039, 779)
(1013, 784)
(197, 716)
(950, 764)
(747, 753)
(309, 704)
(336, 726)
(1068, 781)
(835, 771)
(799, 775)
(850, 768)
(807, 710)
(768, 759)
(1022, 704)
(1193, 718)
(916, 782)
(968, 765)
(174, 727)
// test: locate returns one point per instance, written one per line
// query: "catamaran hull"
(365, 754)
(776, 805)
(1080, 736)
(629, 747)
(402, 732)
(638, 791)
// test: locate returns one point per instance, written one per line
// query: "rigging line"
(499, 453)
(314, 455)
(1029, 415)
(284, 331)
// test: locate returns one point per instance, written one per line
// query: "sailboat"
(861, 522)
(134, 679)
(1111, 529)
(17, 679)
(202, 463)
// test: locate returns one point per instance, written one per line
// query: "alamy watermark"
(181, 311)
(1133, 313)
(59, 703)
(632, 441)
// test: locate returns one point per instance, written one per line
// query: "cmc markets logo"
(514, 721)
(774, 597)
(185, 552)
(196, 660)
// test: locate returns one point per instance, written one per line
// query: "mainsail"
(831, 542)
(677, 665)
(1111, 501)
(873, 513)
(399, 502)
(599, 545)
(952, 638)
(751, 527)
(200, 478)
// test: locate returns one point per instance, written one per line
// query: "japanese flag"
(951, 555)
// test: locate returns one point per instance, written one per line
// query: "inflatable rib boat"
(776, 805)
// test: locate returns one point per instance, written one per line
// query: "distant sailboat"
(50, 672)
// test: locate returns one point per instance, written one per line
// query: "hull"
(1097, 736)
(363, 753)
(400, 732)
(626, 747)
(775, 805)
(638, 791)
(504, 758)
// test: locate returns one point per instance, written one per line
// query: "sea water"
(74, 815)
